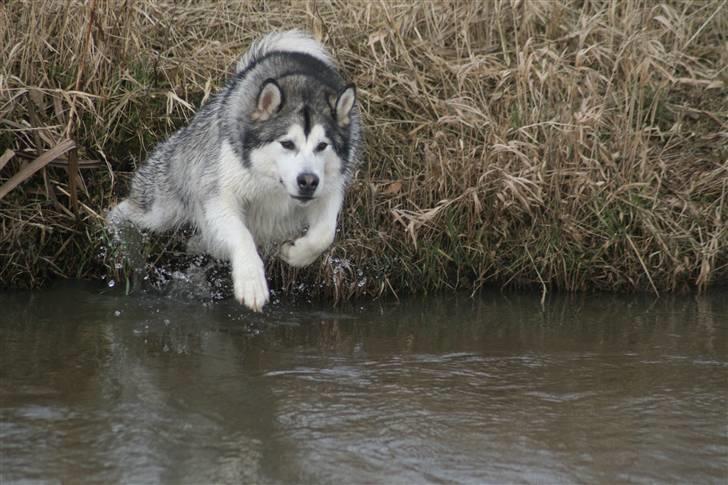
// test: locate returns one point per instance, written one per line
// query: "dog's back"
(289, 41)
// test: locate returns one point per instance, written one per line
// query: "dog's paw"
(251, 288)
(298, 254)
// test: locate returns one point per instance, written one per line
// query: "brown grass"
(564, 144)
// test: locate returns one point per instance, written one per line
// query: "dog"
(264, 163)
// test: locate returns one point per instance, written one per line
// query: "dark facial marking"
(306, 120)
(339, 142)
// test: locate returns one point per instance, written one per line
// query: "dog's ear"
(270, 100)
(344, 104)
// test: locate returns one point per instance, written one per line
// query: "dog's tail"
(288, 41)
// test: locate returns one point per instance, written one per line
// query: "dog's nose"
(307, 183)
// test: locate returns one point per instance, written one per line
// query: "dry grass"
(565, 144)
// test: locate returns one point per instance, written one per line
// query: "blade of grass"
(27, 171)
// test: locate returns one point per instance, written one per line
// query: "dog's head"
(298, 130)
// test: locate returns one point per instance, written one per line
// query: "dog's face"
(299, 134)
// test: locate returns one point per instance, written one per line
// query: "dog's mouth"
(303, 198)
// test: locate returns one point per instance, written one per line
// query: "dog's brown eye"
(288, 145)
(321, 146)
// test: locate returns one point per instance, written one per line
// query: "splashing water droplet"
(111, 283)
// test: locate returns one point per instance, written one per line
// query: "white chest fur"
(274, 218)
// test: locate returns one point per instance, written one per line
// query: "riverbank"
(527, 144)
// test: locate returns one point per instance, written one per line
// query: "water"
(96, 387)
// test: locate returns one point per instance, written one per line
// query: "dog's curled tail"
(288, 41)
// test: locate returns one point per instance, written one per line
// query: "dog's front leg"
(226, 229)
(304, 250)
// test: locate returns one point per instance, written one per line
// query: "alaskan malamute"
(267, 158)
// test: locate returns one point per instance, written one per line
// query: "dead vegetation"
(565, 144)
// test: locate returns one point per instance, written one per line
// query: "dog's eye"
(288, 145)
(321, 146)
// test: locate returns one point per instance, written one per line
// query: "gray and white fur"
(270, 154)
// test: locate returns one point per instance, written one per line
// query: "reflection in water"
(107, 388)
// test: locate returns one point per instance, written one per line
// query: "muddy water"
(96, 387)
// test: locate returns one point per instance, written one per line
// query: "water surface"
(97, 387)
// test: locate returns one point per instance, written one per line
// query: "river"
(99, 387)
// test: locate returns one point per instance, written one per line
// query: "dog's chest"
(273, 220)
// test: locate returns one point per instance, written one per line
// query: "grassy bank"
(565, 144)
